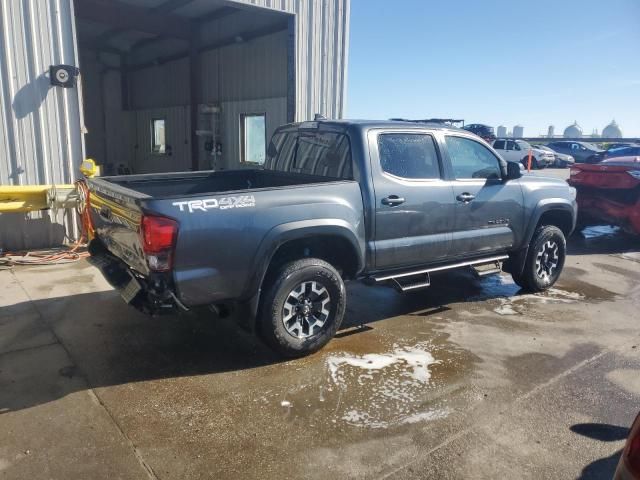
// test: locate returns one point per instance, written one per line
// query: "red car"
(608, 192)
(629, 465)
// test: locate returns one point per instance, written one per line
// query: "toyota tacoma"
(383, 202)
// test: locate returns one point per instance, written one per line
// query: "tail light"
(631, 453)
(158, 236)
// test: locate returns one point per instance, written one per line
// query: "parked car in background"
(518, 151)
(619, 150)
(485, 132)
(608, 192)
(562, 160)
(629, 463)
(580, 151)
(384, 202)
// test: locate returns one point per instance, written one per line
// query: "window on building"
(471, 159)
(158, 136)
(409, 155)
(253, 138)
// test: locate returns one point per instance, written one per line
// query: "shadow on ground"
(603, 467)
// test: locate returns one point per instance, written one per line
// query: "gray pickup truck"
(384, 202)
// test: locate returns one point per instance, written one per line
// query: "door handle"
(392, 200)
(465, 197)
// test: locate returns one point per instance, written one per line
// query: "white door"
(163, 141)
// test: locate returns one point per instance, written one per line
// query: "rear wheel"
(545, 259)
(303, 307)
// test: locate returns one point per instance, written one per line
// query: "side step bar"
(416, 279)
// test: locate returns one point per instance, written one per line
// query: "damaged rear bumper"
(153, 294)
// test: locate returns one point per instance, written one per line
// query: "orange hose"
(60, 255)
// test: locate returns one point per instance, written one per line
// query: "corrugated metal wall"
(322, 46)
(40, 133)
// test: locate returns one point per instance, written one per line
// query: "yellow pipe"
(26, 198)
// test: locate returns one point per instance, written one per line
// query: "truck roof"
(368, 124)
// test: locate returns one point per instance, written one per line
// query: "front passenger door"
(489, 213)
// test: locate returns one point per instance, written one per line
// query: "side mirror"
(513, 171)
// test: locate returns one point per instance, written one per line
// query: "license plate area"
(131, 290)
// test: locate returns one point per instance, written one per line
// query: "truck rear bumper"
(155, 294)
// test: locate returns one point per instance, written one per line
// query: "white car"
(562, 160)
(518, 151)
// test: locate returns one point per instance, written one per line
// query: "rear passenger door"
(489, 212)
(414, 209)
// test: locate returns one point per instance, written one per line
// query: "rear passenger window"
(498, 144)
(409, 155)
(327, 154)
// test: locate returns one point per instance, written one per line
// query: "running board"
(486, 269)
(421, 278)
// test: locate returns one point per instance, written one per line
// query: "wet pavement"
(468, 379)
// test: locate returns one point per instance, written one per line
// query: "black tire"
(308, 274)
(548, 247)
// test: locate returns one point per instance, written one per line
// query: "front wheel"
(303, 307)
(545, 260)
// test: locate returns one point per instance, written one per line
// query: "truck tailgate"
(116, 216)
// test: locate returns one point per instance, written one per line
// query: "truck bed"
(197, 183)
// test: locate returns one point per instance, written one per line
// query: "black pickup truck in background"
(384, 202)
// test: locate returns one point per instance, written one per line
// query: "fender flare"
(286, 232)
(543, 206)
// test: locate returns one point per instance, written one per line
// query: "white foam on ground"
(379, 390)
(505, 308)
(416, 359)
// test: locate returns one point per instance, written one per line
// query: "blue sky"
(534, 63)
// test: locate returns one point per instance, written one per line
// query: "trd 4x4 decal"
(223, 203)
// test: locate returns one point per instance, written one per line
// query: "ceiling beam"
(94, 45)
(170, 6)
(241, 37)
(130, 17)
(145, 42)
(217, 14)
(209, 17)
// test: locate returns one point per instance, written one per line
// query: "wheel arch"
(559, 212)
(332, 240)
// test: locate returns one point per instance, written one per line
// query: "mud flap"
(515, 264)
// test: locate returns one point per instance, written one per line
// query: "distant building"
(573, 131)
(551, 131)
(612, 130)
(502, 131)
(518, 131)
